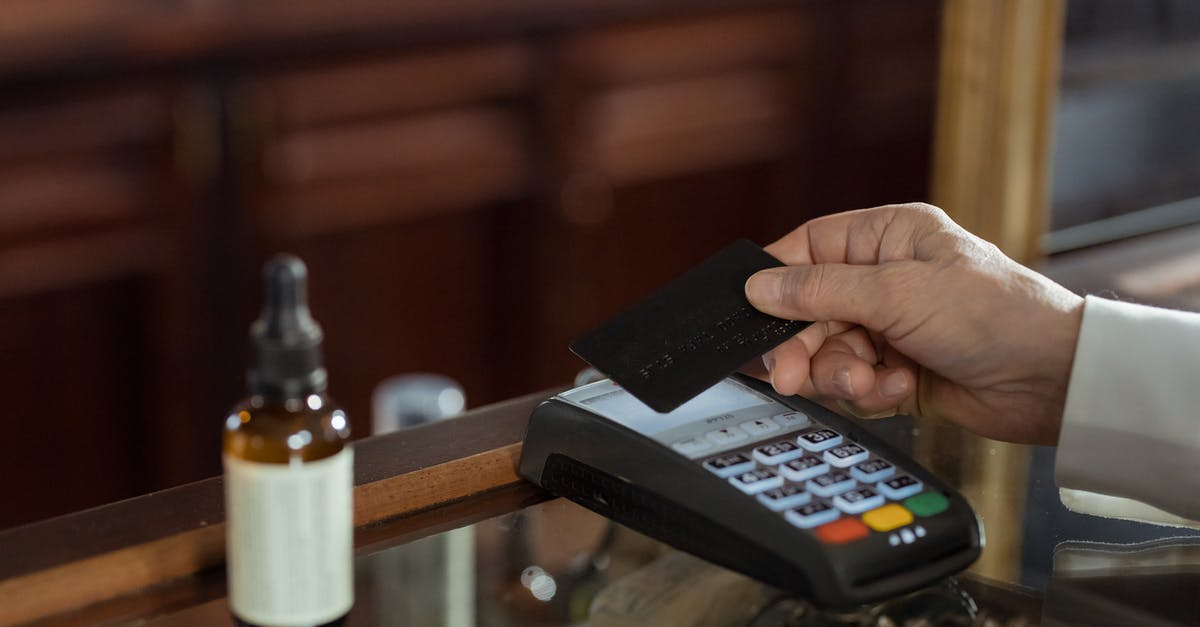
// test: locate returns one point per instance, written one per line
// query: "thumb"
(830, 291)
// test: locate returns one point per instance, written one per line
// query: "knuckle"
(810, 287)
(926, 208)
(897, 285)
(893, 280)
(929, 212)
(790, 289)
(859, 343)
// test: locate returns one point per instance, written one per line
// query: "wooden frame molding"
(992, 153)
(74, 561)
(993, 134)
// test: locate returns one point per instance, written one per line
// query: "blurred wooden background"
(471, 183)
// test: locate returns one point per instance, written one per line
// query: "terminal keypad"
(822, 481)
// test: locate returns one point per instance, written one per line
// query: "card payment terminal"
(778, 488)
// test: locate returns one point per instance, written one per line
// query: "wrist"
(1064, 339)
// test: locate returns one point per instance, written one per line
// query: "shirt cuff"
(1129, 426)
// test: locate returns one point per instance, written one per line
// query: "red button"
(844, 530)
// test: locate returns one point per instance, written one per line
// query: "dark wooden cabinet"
(89, 250)
(471, 185)
(393, 174)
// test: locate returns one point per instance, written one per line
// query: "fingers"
(787, 368)
(889, 392)
(865, 236)
(788, 363)
(845, 369)
(836, 362)
(839, 373)
(854, 340)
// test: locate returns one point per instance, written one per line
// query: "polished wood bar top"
(407, 484)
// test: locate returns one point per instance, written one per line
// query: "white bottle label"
(290, 540)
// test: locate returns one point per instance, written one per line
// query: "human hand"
(915, 315)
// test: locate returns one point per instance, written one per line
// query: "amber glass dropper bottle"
(288, 472)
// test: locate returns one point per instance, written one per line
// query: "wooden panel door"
(390, 176)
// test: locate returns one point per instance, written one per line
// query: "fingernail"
(763, 287)
(841, 381)
(769, 364)
(894, 384)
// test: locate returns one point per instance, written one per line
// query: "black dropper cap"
(287, 341)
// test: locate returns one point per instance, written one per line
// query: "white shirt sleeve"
(1131, 425)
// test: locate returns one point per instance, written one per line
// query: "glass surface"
(557, 564)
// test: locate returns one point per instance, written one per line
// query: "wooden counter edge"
(128, 546)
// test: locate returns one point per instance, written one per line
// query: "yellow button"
(887, 517)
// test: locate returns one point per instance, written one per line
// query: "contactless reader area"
(718, 419)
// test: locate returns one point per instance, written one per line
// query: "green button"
(927, 504)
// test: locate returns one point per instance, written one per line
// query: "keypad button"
(804, 468)
(872, 470)
(846, 455)
(888, 517)
(725, 436)
(776, 453)
(900, 487)
(759, 427)
(927, 504)
(811, 515)
(792, 420)
(819, 440)
(858, 501)
(729, 465)
(842, 531)
(757, 480)
(784, 497)
(830, 483)
(692, 446)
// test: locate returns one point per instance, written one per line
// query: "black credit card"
(690, 334)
